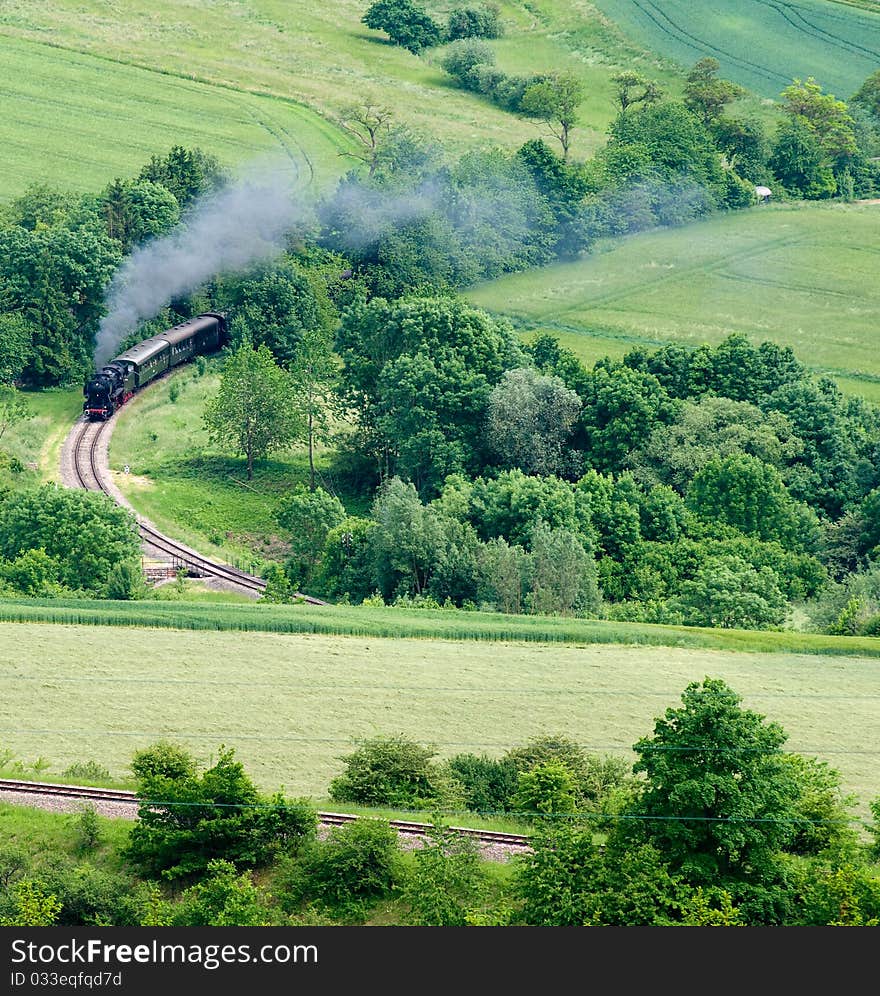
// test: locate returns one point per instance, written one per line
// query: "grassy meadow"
(800, 275)
(93, 88)
(191, 489)
(36, 441)
(761, 45)
(75, 120)
(290, 705)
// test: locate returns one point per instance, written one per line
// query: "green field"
(761, 44)
(803, 276)
(290, 705)
(75, 121)
(36, 441)
(91, 88)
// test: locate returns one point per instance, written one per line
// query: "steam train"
(112, 385)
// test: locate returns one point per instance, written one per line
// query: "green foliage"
(308, 517)
(137, 210)
(487, 783)
(529, 421)
(163, 760)
(225, 898)
(556, 101)
(188, 820)
(545, 788)
(727, 591)
(84, 533)
(16, 336)
(33, 573)
(346, 567)
(125, 581)
(255, 410)
(821, 806)
(445, 882)
(474, 22)
(88, 894)
(88, 772)
(798, 160)
(841, 895)
(33, 907)
(186, 173)
(357, 863)
(706, 95)
(404, 22)
(718, 769)
(698, 910)
(88, 829)
(392, 771)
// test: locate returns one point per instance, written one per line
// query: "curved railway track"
(484, 838)
(87, 469)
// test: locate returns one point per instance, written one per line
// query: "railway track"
(86, 466)
(485, 838)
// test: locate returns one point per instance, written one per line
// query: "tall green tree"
(404, 22)
(256, 410)
(315, 371)
(705, 94)
(307, 517)
(633, 88)
(556, 101)
(720, 802)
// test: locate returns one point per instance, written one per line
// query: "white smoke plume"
(244, 222)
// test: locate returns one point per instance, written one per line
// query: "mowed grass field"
(290, 705)
(92, 88)
(76, 120)
(761, 44)
(803, 276)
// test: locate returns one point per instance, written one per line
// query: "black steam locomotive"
(112, 385)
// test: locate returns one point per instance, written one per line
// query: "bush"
(445, 881)
(404, 23)
(87, 771)
(393, 771)
(474, 22)
(90, 896)
(88, 829)
(488, 784)
(162, 760)
(359, 862)
(462, 59)
(546, 788)
(186, 822)
(226, 898)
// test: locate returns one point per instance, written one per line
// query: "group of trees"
(410, 26)
(715, 824)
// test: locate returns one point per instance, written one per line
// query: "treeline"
(716, 486)
(735, 831)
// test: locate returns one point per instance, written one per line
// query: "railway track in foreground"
(86, 466)
(87, 793)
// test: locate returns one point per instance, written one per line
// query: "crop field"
(92, 88)
(801, 276)
(290, 705)
(761, 44)
(75, 121)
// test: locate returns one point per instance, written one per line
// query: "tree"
(705, 94)
(368, 122)
(556, 102)
(226, 898)
(798, 161)
(404, 22)
(314, 372)
(186, 820)
(563, 576)
(628, 81)
(717, 782)
(16, 336)
(256, 407)
(308, 516)
(474, 22)
(530, 418)
(187, 173)
(13, 407)
(445, 881)
(83, 532)
(544, 789)
(826, 117)
(137, 210)
(868, 95)
(748, 494)
(727, 591)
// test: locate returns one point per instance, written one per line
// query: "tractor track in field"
(122, 804)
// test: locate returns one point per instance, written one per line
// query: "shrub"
(445, 882)
(488, 784)
(405, 24)
(87, 771)
(474, 22)
(462, 59)
(358, 862)
(88, 829)
(393, 771)
(546, 788)
(162, 760)
(225, 898)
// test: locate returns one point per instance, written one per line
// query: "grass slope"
(75, 121)
(761, 44)
(93, 87)
(188, 487)
(291, 705)
(800, 275)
